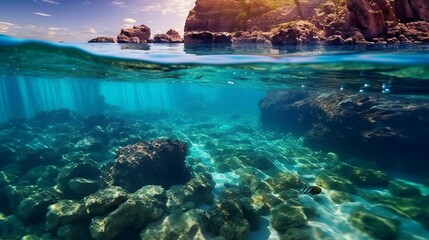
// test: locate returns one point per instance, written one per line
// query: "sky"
(82, 20)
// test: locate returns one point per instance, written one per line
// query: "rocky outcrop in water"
(158, 162)
(102, 40)
(171, 36)
(135, 34)
(309, 22)
(368, 126)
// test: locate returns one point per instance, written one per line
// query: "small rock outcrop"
(171, 36)
(158, 162)
(135, 34)
(102, 40)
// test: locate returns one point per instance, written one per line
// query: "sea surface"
(207, 96)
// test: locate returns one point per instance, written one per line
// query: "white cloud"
(56, 29)
(118, 3)
(180, 8)
(4, 26)
(150, 8)
(42, 14)
(128, 22)
(87, 3)
(50, 2)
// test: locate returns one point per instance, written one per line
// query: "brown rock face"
(172, 36)
(235, 15)
(299, 32)
(102, 40)
(368, 16)
(339, 21)
(412, 10)
(142, 33)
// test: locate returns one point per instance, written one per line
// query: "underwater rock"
(263, 201)
(227, 220)
(358, 125)
(105, 200)
(31, 198)
(178, 225)
(401, 189)
(87, 170)
(287, 215)
(171, 36)
(374, 225)
(7, 178)
(413, 208)
(52, 117)
(73, 232)
(7, 155)
(295, 234)
(11, 227)
(35, 207)
(339, 197)
(32, 237)
(230, 159)
(142, 33)
(362, 177)
(143, 206)
(285, 181)
(42, 176)
(158, 162)
(250, 213)
(198, 190)
(334, 182)
(65, 212)
(102, 40)
(44, 157)
(82, 186)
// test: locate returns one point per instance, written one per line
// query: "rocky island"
(293, 22)
(309, 22)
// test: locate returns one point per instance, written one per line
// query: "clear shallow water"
(208, 97)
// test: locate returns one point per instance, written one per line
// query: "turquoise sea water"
(208, 97)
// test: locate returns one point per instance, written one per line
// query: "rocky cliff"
(312, 21)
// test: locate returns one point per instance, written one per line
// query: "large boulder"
(178, 225)
(362, 125)
(135, 34)
(65, 212)
(157, 162)
(145, 205)
(206, 37)
(171, 36)
(297, 32)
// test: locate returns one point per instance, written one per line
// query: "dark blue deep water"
(264, 122)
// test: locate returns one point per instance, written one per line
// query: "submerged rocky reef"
(162, 175)
(386, 129)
